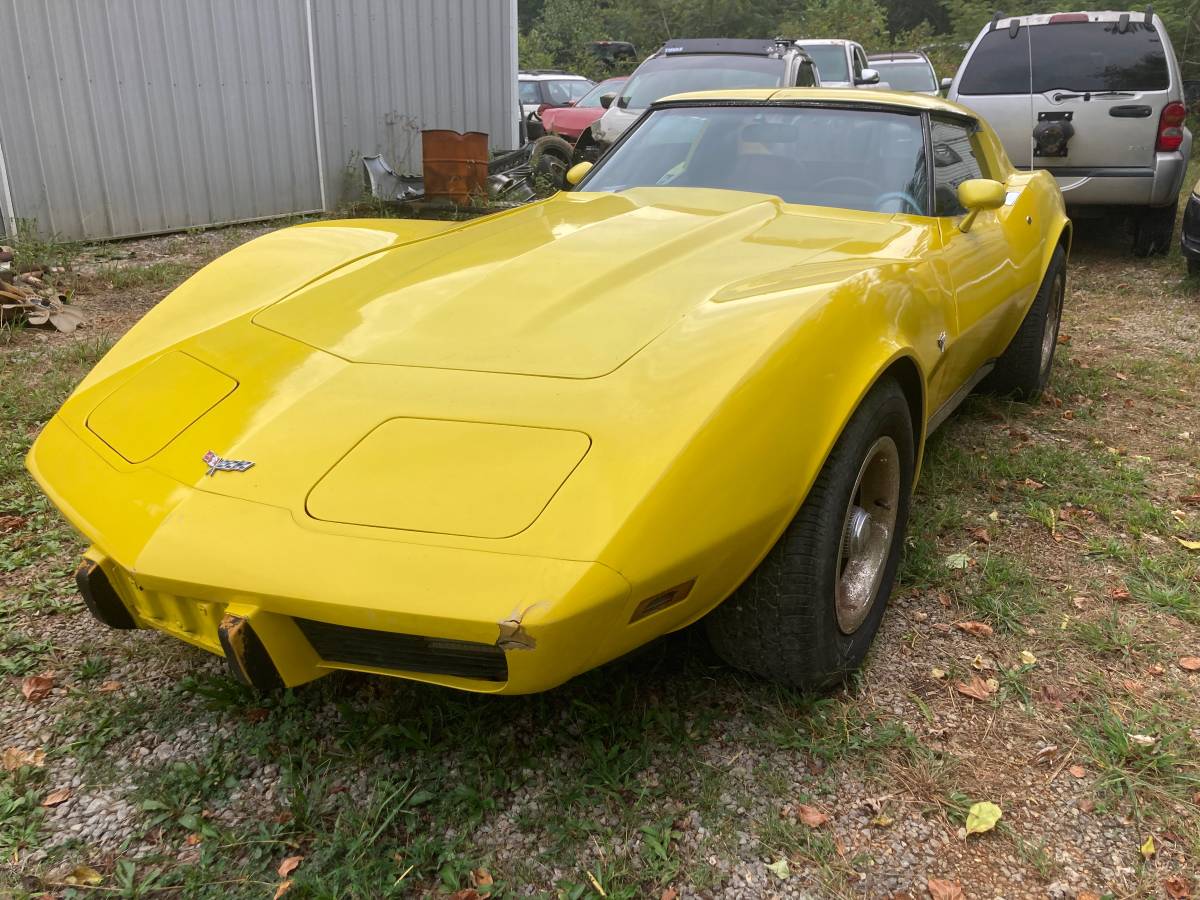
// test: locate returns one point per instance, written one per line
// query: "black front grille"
(406, 652)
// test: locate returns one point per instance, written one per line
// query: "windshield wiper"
(1088, 95)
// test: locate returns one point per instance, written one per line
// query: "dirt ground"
(1040, 655)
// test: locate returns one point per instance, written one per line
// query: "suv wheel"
(1153, 230)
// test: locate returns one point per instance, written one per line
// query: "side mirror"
(946, 82)
(571, 102)
(978, 194)
(606, 100)
(576, 172)
(868, 76)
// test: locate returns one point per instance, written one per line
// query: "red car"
(571, 121)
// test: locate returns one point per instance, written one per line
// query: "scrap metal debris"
(28, 298)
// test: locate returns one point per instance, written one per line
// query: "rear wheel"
(1023, 371)
(1153, 230)
(807, 615)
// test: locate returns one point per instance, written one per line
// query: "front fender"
(252, 276)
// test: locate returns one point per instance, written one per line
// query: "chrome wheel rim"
(867, 533)
(1050, 330)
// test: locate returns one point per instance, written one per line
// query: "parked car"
(1099, 104)
(571, 121)
(906, 71)
(1189, 238)
(840, 63)
(542, 89)
(494, 454)
(694, 65)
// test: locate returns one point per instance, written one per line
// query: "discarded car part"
(1052, 132)
(20, 305)
(384, 183)
(455, 165)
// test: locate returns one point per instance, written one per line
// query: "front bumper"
(237, 578)
(1189, 234)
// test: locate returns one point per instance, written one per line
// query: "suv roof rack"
(546, 72)
(740, 46)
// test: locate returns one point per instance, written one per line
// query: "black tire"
(783, 622)
(586, 149)
(1154, 231)
(1023, 371)
(550, 157)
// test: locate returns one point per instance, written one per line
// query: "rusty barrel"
(456, 165)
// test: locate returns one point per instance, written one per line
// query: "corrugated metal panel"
(128, 117)
(386, 69)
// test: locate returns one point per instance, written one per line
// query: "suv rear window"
(662, 76)
(1073, 56)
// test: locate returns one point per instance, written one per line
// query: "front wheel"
(807, 615)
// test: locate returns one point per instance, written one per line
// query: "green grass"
(156, 276)
(32, 250)
(1170, 584)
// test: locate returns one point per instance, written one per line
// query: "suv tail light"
(1170, 127)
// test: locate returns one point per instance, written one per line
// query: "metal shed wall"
(127, 117)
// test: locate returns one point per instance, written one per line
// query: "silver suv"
(1097, 99)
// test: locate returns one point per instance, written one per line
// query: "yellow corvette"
(495, 454)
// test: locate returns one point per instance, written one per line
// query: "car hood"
(570, 288)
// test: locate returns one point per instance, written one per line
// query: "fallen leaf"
(193, 839)
(481, 877)
(1028, 658)
(14, 757)
(284, 887)
(36, 687)
(595, 883)
(1077, 771)
(1134, 687)
(976, 688)
(981, 536)
(979, 629)
(982, 817)
(882, 821)
(944, 599)
(1190, 663)
(1188, 545)
(1087, 895)
(54, 798)
(1119, 594)
(9, 524)
(471, 894)
(941, 889)
(1079, 602)
(288, 866)
(1156, 669)
(257, 714)
(1086, 804)
(1033, 485)
(108, 687)
(1148, 849)
(811, 816)
(937, 673)
(669, 893)
(1045, 754)
(1178, 887)
(958, 561)
(1120, 376)
(780, 869)
(1143, 740)
(1190, 498)
(84, 875)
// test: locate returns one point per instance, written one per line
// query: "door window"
(956, 159)
(859, 64)
(530, 93)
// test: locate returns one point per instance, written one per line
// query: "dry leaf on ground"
(1077, 771)
(54, 798)
(1028, 658)
(1178, 887)
(108, 687)
(1148, 849)
(669, 893)
(979, 629)
(84, 875)
(811, 816)
(780, 869)
(14, 757)
(1188, 545)
(982, 817)
(980, 536)
(1190, 663)
(37, 687)
(284, 887)
(10, 523)
(976, 688)
(289, 865)
(480, 877)
(942, 889)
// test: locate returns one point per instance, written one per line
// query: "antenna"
(1032, 117)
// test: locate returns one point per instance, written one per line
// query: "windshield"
(591, 100)
(1072, 56)
(821, 156)
(663, 76)
(905, 76)
(561, 92)
(830, 60)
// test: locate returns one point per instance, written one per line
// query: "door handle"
(1130, 111)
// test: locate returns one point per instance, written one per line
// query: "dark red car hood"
(570, 121)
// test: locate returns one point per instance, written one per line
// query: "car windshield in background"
(591, 100)
(830, 60)
(562, 92)
(905, 76)
(1072, 56)
(667, 75)
(821, 156)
